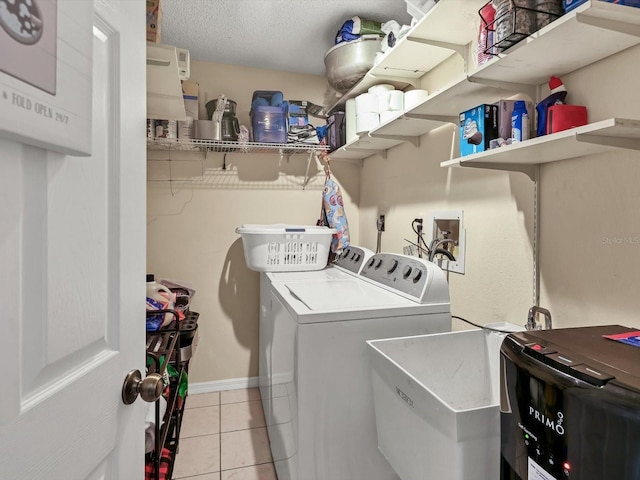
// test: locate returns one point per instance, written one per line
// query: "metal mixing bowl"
(348, 62)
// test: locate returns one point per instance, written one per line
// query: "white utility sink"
(437, 403)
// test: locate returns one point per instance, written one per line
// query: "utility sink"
(437, 403)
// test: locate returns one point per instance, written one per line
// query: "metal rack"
(164, 348)
(220, 146)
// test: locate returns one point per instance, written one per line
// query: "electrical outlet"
(447, 231)
(410, 250)
(380, 223)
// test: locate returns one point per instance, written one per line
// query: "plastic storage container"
(269, 122)
(159, 297)
(285, 248)
(520, 121)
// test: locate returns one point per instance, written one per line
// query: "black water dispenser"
(570, 404)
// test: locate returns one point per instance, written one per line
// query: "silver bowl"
(348, 62)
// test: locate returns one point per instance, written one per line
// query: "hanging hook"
(327, 164)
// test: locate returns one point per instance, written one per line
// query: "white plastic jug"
(161, 294)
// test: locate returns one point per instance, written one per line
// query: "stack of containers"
(379, 105)
(390, 102)
(269, 117)
(367, 116)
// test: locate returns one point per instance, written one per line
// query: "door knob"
(150, 388)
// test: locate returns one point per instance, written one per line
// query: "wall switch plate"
(448, 225)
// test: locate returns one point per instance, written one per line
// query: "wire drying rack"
(221, 146)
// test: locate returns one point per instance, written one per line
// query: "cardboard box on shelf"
(505, 112)
(190, 96)
(154, 20)
(478, 127)
(297, 112)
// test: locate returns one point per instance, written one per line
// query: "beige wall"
(498, 218)
(589, 217)
(590, 210)
(192, 221)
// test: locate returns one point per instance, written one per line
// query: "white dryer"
(349, 263)
(321, 419)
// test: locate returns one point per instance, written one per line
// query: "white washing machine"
(321, 419)
(349, 263)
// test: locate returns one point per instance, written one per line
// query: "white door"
(72, 265)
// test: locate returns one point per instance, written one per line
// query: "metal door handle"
(150, 388)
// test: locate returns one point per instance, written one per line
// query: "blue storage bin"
(269, 120)
(269, 124)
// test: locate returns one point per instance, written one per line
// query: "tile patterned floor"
(224, 437)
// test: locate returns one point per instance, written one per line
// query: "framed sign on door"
(46, 49)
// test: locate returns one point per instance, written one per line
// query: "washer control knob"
(378, 264)
(393, 266)
(406, 272)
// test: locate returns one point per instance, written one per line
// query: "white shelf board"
(370, 142)
(350, 151)
(457, 97)
(407, 126)
(367, 82)
(450, 21)
(365, 146)
(574, 41)
(587, 34)
(589, 139)
(591, 32)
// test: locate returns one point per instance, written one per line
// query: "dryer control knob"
(417, 276)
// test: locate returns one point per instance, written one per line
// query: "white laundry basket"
(285, 248)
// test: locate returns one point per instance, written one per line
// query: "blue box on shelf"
(571, 4)
(298, 113)
(269, 117)
(478, 126)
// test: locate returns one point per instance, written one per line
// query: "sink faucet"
(531, 318)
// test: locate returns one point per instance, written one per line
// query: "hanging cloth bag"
(332, 211)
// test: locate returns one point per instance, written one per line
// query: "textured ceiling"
(287, 35)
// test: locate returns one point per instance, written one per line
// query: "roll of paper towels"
(366, 103)
(391, 100)
(389, 115)
(350, 118)
(413, 98)
(378, 89)
(366, 122)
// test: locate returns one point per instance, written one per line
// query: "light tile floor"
(224, 437)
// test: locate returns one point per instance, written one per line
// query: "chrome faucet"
(531, 318)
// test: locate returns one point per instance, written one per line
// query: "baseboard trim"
(221, 385)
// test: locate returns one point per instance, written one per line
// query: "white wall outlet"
(446, 231)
